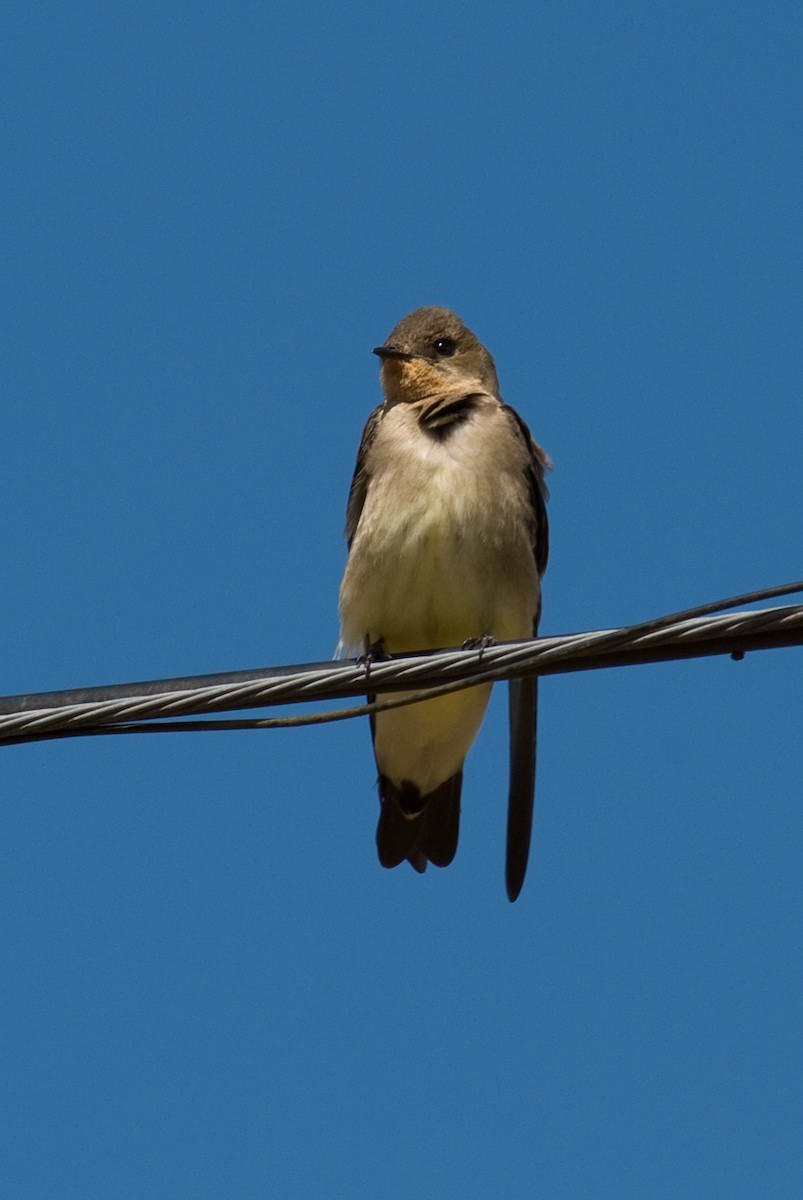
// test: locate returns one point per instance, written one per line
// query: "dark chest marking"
(444, 414)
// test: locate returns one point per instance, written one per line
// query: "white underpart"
(442, 553)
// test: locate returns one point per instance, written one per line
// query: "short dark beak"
(392, 352)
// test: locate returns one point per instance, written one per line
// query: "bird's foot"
(480, 643)
(376, 652)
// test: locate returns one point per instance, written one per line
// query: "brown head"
(431, 351)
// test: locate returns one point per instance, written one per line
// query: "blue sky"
(209, 986)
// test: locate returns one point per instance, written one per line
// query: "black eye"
(444, 347)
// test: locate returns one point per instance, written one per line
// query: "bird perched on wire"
(448, 540)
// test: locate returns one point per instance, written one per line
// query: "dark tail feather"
(418, 828)
(523, 719)
(398, 831)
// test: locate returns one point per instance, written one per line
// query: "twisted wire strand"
(133, 708)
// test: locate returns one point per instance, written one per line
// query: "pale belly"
(435, 562)
(426, 743)
(433, 565)
(442, 553)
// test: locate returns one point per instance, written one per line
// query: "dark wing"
(537, 467)
(361, 478)
(523, 693)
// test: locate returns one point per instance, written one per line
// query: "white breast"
(442, 551)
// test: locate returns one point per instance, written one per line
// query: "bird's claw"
(484, 642)
(376, 652)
